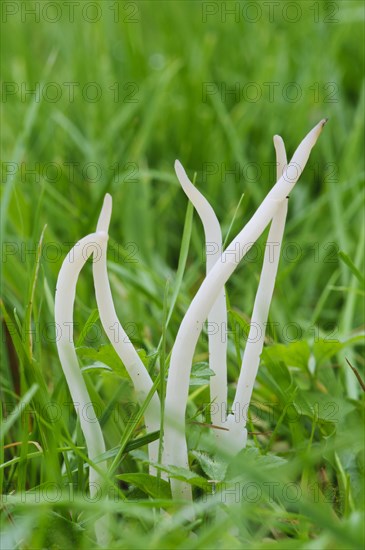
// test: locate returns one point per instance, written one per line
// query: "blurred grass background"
(164, 73)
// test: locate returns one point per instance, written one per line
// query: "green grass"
(300, 482)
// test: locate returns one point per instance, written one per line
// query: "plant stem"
(255, 340)
(64, 305)
(177, 389)
(217, 318)
(119, 338)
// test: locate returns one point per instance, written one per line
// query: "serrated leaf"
(327, 408)
(251, 460)
(200, 374)
(324, 348)
(263, 460)
(214, 468)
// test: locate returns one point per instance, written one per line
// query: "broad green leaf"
(148, 484)
(104, 354)
(183, 474)
(295, 354)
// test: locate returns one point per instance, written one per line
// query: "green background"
(102, 97)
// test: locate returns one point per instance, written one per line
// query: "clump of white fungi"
(209, 303)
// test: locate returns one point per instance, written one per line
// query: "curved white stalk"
(217, 318)
(255, 340)
(64, 305)
(236, 437)
(177, 389)
(118, 337)
(281, 158)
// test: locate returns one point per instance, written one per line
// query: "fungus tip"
(318, 128)
(178, 167)
(105, 214)
(181, 175)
